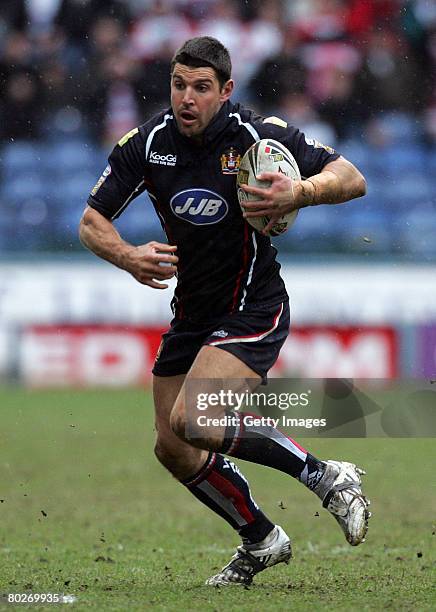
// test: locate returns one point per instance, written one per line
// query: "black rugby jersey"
(224, 264)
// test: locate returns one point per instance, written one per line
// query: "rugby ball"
(266, 155)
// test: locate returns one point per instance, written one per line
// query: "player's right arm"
(143, 262)
(121, 182)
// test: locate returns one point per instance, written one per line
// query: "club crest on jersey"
(199, 206)
(230, 161)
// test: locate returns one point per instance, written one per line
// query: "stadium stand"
(67, 92)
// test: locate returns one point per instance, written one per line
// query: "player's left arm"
(328, 178)
(339, 181)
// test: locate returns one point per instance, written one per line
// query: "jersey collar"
(219, 123)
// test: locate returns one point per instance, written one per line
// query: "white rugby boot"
(250, 559)
(341, 493)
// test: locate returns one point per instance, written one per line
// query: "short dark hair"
(205, 51)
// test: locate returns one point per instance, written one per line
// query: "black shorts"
(254, 335)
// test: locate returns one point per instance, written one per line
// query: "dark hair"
(205, 51)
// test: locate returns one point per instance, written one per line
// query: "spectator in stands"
(278, 74)
(20, 116)
(263, 38)
(339, 107)
(106, 37)
(12, 16)
(115, 100)
(418, 25)
(60, 102)
(159, 31)
(387, 80)
(17, 53)
(19, 89)
(296, 108)
(223, 22)
(77, 17)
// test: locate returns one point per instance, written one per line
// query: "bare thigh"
(180, 458)
(213, 370)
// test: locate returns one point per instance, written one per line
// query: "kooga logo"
(164, 160)
(199, 206)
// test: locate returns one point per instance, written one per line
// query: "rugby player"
(231, 312)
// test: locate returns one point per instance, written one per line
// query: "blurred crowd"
(337, 68)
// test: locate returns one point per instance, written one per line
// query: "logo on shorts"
(220, 333)
(230, 161)
(199, 206)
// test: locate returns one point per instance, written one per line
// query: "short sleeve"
(123, 179)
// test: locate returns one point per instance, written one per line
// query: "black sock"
(221, 486)
(268, 446)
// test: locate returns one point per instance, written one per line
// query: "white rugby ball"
(266, 155)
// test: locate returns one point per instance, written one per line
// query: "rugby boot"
(251, 559)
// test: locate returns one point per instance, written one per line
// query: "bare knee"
(196, 429)
(178, 422)
(180, 462)
(186, 429)
(166, 456)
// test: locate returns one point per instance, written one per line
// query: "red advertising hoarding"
(100, 355)
(339, 352)
(88, 355)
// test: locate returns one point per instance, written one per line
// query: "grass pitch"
(86, 510)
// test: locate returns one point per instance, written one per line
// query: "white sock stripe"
(279, 437)
(254, 338)
(289, 445)
(224, 503)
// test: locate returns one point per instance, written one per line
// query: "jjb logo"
(199, 206)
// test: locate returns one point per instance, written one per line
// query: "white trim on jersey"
(253, 338)
(129, 199)
(247, 126)
(153, 132)
(250, 273)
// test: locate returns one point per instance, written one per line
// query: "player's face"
(196, 96)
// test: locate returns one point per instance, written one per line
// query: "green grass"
(121, 534)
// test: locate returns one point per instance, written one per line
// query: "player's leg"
(258, 444)
(218, 484)
(179, 458)
(337, 484)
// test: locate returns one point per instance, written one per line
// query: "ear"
(227, 90)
